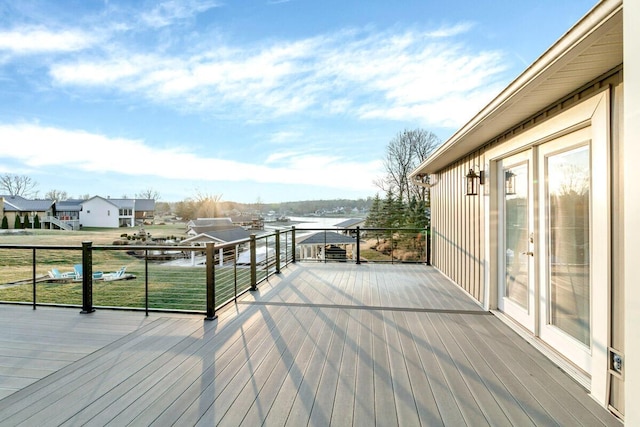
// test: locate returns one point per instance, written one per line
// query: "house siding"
(629, 296)
(98, 212)
(461, 224)
(457, 227)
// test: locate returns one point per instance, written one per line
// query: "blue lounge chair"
(54, 273)
(97, 275)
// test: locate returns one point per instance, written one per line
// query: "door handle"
(527, 253)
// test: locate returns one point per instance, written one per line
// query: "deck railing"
(194, 279)
(393, 245)
(201, 279)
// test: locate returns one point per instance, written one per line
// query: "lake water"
(301, 222)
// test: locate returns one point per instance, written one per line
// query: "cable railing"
(197, 279)
(392, 245)
(191, 279)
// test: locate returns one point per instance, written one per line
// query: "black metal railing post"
(252, 252)
(358, 245)
(211, 283)
(146, 282)
(235, 273)
(428, 243)
(87, 279)
(33, 275)
(277, 251)
(293, 245)
(324, 250)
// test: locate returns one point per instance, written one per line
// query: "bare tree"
(405, 152)
(148, 193)
(56, 195)
(186, 209)
(18, 185)
(207, 204)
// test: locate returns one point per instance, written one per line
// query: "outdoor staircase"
(55, 221)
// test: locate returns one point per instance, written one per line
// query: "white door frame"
(592, 113)
(525, 314)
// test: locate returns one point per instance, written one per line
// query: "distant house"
(133, 212)
(214, 230)
(325, 245)
(100, 212)
(217, 230)
(201, 223)
(75, 213)
(12, 206)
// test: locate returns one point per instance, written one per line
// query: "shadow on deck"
(321, 344)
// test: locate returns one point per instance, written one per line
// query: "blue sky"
(252, 100)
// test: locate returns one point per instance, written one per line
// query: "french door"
(546, 247)
(518, 272)
(566, 246)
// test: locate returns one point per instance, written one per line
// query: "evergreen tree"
(25, 221)
(392, 214)
(416, 214)
(5, 223)
(416, 219)
(36, 222)
(17, 224)
(375, 216)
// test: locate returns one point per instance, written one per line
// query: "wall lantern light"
(509, 183)
(473, 181)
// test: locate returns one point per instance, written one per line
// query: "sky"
(250, 100)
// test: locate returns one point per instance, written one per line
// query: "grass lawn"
(179, 288)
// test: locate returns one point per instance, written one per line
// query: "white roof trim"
(604, 17)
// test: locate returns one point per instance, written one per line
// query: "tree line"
(406, 204)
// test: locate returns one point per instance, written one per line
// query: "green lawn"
(173, 288)
(170, 288)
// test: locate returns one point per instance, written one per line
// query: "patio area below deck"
(320, 344)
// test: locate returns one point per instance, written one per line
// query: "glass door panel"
(566, 233)
(567, 201)
(516, 226)
(516, 246)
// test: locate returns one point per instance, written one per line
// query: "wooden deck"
(322, 344)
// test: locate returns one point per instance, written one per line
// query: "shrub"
(36, 222)
(25, 221)
(17, 224)
(409, 256)
(385, 248)
(5, 223)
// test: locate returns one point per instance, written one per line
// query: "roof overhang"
(590, 49)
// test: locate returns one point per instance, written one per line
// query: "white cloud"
(167, 12)
(451, 31)
(338, 73)
(32, 40)
(99, 154)
(285, 137)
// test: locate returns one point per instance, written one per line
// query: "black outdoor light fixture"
(509, 183)
(473, 181)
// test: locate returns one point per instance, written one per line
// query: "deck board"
(343, 403)
(319, 344)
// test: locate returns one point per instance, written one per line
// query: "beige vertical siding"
(457, 226)
(457, 220)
